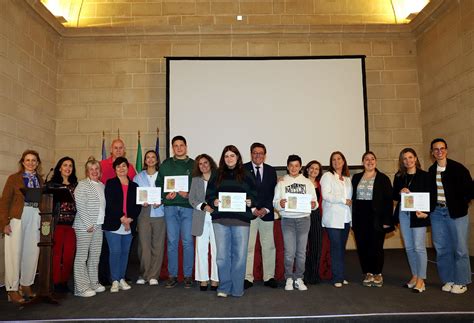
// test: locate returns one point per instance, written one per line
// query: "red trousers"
(64, 249)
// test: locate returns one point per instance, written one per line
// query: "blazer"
(13, 200)
(458, 187)
(419, 183)
(265, 190)
(197, 195)
(335, 194)
(382, 203)
(87, 205)
(114, 204)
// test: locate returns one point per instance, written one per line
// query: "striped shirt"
(441, 198)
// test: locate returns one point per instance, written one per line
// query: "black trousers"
(313, 251)
(368, 239)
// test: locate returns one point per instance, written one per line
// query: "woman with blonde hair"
(90, 204)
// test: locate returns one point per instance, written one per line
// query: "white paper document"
(150, 195)
(176, 184)
(232, 202)
(298, 202)
(415, 202)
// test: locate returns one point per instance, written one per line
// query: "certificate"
(176, 184)
(150, 195)
(415, 202)
(298, 202)
(232, 202)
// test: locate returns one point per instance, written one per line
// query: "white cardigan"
(335, 192)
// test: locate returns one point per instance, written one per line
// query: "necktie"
(259, 178)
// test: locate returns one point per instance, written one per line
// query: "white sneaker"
(447, 287)
(115, 287)
(86, 293)
(123, 285)
(289, 284)
(221, 294)
(299, 284)
(153, 282)
(99, 288)
(140, 281)
(459, 289)
(345, 282)
(338, 285)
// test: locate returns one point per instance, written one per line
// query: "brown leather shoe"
(26, 292)
(15, 297)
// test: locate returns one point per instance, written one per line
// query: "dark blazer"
(114, 204)
(266, 190)
(382, 204)
(420, 183)
(457, 184)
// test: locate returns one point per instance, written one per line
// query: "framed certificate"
(150, 195)
(300, 203)
(176, 184)
(232, 202)
(415, 202)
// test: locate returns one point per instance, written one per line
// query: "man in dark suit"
(266, 179)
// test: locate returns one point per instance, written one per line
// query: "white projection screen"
(309, 106)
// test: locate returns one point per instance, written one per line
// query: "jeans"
(450, 239)
(295, 237)
(338, 240)
(232, 242)
(415, 245)
(178, 224)
(119, 248)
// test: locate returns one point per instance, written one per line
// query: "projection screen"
(309, 106)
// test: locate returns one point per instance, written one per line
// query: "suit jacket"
(197, 195)
(87, 204)
(265, 190)
(114, 204)
(13, 200)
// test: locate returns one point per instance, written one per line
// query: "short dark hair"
(438, 140)
(120, 160)
(176, 138)
(293, 158)
(258, 145)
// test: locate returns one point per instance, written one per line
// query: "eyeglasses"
(438, 150)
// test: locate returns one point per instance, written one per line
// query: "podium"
(51, 199)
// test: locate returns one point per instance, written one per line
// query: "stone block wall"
(28, 83)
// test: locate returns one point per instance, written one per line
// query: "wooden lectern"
(51, 200)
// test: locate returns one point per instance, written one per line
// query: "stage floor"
(353, 302)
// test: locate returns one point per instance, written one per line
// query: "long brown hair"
(239, 167)
(402, 170)
(196, 171)
(345, 168)
(308, 165)
(22, 159)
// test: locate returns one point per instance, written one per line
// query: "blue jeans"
(338, 240)
(232, 243)
(450, 237)
(178, 224)
(415, 245)
(295, 238)
(119, 248)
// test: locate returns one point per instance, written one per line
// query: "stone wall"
(28, 82)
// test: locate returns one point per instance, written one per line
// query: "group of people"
(93, 234)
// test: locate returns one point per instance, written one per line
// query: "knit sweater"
(175, 167)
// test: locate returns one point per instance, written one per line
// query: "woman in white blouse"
(90, 204)
(337, 194)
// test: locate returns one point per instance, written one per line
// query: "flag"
(157, 146)
(139, 161)
(104, 154)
